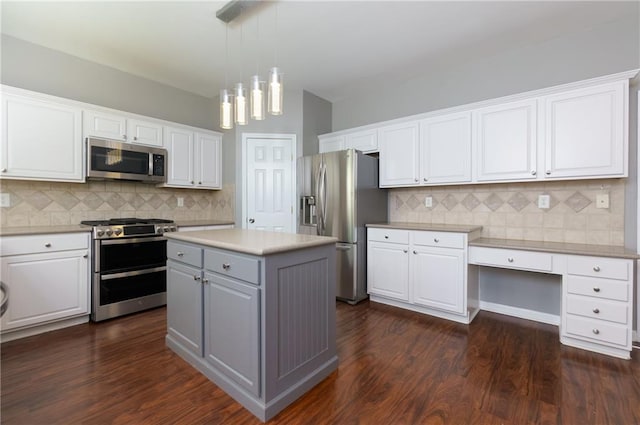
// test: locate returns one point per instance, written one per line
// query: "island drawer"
(388, 235)
(233, 265)
(511, 258)
(442, 239)
(609, 268)
(184, 253)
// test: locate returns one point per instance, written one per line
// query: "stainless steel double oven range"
(129, 266)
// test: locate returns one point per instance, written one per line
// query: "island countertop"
(255, 242)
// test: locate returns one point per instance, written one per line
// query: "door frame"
(294, 153)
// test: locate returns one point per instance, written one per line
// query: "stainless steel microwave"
(112, 159)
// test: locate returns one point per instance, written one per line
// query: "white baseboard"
(521, 313)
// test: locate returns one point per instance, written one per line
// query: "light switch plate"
(428, 202)
(544, 201)
(602, 200)
(5, 200)
(180, 201)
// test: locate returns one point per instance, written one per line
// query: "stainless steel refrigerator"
(339, 194)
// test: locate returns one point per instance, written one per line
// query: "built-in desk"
(597, 287)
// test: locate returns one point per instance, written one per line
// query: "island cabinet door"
(232, 322)
(184, 306)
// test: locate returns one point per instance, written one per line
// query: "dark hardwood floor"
(396, 367)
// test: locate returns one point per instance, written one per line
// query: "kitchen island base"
(261, 327)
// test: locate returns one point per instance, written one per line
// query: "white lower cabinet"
(48, 282)
(424, 271)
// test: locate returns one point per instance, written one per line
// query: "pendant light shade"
(276, 89)
(241, 104)
(257, 98)
(226, 109)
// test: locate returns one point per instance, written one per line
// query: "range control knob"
(109, 232)
(117, 231)
(165, 229)
(159, 229)
(99, 232)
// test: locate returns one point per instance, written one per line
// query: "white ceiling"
(332, 49)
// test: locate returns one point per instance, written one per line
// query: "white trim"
(42, 328)
(294, 154)
(522, 313)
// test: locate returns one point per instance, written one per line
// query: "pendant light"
(256, 86)
(241, 104)
(226, 99)
(275, 83)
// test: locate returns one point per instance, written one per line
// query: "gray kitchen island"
(254, 311)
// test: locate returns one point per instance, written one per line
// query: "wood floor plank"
(396, 367)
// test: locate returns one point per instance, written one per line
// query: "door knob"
(251, 220)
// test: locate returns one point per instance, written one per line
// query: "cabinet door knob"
(596, 331)
(596, 310)
(510, 259)
(425, 179)
(415, 180)
(533, 172)
(205, 281)
(4, 170)
(405, 251)
(596, 269)
(596, 289)
(196, 278)
(386, 236)
(85, 256)
(415, 252)
(548, 172)
(199, 182)
(47, 245)
(124, 136)
(192, 182)
(226, 266)
(135, 137)
(436, 240)
(180, 254)
(252, 220)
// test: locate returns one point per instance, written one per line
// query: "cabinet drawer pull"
(47, 245)
(415, 252)
(596, 331)
(425, 179)
(510, 259)
(436, 240)
(596, 269)
(196, 278)
(548, 172)
(405, 251)
(386, 236)
(4, 170)
(533, 172)
(596, 289)
(415, 180)
(226, 266)
(596, 310)
(180, 254)
(85, 256)
(205, 281)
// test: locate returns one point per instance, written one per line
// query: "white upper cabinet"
(399, 154)
(585, 132)
(41, 139)
(331, 143)
(194, 158)
(365, 141)
(123, 128)
(445, 149)
(505, 141)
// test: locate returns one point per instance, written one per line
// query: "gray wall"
(599, 51)
(316, 120)
(33, 67)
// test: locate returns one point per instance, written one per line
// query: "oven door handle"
(132, 240)
(132, 273)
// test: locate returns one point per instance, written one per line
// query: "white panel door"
(41, 140)
(399, 154)
(144, 132)
(437, 278)
(388, 270)
(331, 144)
(270, 188)
(102, 124)
(505, 141)
(179, 144)
(445, 149)
(207, 161)
(585, 134)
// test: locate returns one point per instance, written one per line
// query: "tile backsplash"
(510, 210)
(35, 203)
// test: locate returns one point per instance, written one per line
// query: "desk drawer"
(599, 309)
(609, 268)
(233, 265)
(511, 258)
(599, 288)
(184, 253)
(441, 239)
(597, 330)
(388, 235)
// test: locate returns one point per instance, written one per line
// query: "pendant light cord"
(226, 54)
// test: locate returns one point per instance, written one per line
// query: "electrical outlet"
(602, 200)
(544, 201)
(5, 200)
(180, 201)
(428, 201)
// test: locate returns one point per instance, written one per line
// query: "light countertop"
(194, 223)
(458, 228)
(255, 242)
(557, 247)
(44, 230)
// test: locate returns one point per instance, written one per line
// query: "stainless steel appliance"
(129, 266)
(339, 194)
(112, 159)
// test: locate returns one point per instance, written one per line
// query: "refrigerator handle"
(318, 201)
(323, 199)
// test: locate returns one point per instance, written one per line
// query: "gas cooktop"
(129, 227)
(125, 221)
